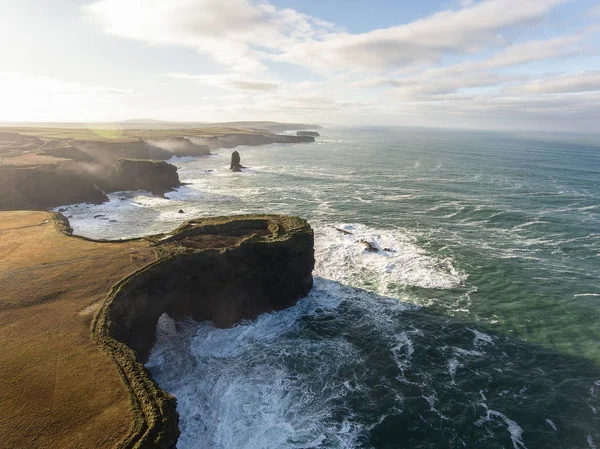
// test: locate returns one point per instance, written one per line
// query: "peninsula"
(43, 167)
(78, 316)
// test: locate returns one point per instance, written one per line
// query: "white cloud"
(230, 81)
(594, 11)
(249, 37)
(243, 35)
(236, 33)
(565, 83)
(422, 42)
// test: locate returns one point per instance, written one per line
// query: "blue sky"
(483, 64)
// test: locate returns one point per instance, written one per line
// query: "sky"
(469, 64)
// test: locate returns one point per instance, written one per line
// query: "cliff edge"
(65, 389)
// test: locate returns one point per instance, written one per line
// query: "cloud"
(244, 35)
(480, 73)
(594, 11)
(398, 74)
(425, 41)
(229, 81)
(236, 33)
(565, 83)
(538, 50)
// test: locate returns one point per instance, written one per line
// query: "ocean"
(476, 325)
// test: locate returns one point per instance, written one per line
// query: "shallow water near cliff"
(476, 325)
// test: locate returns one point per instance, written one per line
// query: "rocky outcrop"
(157, 177)
(39, 188)
(46, 187)
(308, 133)
(108, 153)
(220, 269)
(182, 146)
(236, 140)
(87, 170)
(235, 162)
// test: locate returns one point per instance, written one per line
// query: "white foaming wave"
(125, 215)
(453, 365)
(481, 338)
(516, 432)
(234, 388)
(403, 350)
(551, 424)
(467, 352)
(399, 261)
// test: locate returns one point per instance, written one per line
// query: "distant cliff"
(157, 177)
(308, 133)
(46, 187)
(82, 171)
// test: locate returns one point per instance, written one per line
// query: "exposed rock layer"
(88, 171)
(157, 177)
(308, 133)
(221, 269)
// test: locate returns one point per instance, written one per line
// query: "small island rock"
(236, 162)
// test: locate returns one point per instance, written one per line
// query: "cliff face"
(46, 187)
(308, 133)
(222, 269)
(236, 140)
(77, 171)
(157, 177)
(51, 186)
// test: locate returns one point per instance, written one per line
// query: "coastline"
(127, 309)
(44, 169)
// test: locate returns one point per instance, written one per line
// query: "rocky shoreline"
(86, 171)
(222, 269)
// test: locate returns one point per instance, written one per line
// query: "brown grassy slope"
(57, 388)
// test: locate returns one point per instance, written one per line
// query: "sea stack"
(236, 162)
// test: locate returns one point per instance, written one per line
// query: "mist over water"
(476, 325)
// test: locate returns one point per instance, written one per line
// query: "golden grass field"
(58, 389)
(30, 150)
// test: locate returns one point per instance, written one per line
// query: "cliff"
(221, 269)
(46, 187)
(157, 177)
(307, 133)
(38, 173)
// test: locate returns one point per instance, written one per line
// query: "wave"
(398, 261)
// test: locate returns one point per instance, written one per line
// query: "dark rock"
(224, 270)
(370, 247)
(343, 231)
(98, 216)
(157, 177)
(46, 187)
(181, 211)
(308, 133)
(235, 162)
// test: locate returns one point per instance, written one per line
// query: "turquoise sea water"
(477, 327)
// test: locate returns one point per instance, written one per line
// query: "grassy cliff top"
(61, 387)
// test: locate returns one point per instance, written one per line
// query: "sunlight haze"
(467, 64)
